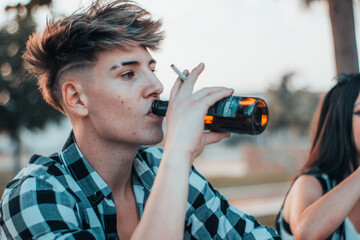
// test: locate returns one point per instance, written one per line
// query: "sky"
(246, 45)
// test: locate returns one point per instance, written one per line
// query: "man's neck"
(111, 160)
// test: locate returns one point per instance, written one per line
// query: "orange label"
(261, 104)
(208, 119)
(247, 101)
(264, 119)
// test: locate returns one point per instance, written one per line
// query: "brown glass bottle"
(244, 115)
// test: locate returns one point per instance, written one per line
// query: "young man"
(95, 67)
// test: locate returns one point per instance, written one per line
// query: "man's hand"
(185, 116)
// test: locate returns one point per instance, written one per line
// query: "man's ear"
(74, 98)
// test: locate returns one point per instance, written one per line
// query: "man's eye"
(128, 75)
(357, 113)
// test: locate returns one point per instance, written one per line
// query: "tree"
(291, 109)
(343, 30)
(21, 104)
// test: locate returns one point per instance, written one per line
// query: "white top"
(350, 231)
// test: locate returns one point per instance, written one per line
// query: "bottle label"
(225, 108)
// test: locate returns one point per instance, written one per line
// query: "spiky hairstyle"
(75, 40)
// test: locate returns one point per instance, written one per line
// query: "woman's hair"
(333, 150)
(73, 42)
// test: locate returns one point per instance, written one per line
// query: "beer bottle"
(244, 115)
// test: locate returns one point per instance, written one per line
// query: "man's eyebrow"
(127, 63)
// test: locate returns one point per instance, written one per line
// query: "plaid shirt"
(63, 197)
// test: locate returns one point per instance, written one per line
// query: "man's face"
(120, 96)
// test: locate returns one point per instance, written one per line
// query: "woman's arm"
(313, 215)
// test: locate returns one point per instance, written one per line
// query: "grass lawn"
(5, 177)
(222, 182)
(268, 220)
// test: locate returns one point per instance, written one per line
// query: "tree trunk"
(16, 155)
(343, 29)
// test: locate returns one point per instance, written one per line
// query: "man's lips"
(150, 111)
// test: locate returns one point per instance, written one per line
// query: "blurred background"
(284, 51)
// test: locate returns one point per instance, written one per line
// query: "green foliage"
(21, 104)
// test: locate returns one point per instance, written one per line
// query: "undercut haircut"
(73, 42)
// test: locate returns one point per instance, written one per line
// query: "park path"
(257, 200)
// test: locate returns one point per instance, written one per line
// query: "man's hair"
(73, 42)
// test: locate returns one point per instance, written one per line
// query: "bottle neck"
(159, 107)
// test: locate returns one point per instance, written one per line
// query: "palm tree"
(343, 29)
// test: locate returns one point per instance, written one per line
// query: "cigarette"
(179, 73)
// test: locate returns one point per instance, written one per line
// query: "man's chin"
(159, 139)
(155, 138)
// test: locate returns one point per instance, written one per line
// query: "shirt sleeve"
(209, 215)
(34, 209)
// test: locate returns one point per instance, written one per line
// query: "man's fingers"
(213, 97)
(214, 137)
(177, 85)
(187, 87)
(204, 92)
(194, 74)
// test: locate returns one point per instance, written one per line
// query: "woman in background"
(324, 199)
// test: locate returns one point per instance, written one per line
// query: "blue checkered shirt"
(63, 197)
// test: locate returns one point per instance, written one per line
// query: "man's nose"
(156, 86)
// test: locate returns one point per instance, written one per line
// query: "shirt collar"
(84, 174)
(90, 181)
(142, 171)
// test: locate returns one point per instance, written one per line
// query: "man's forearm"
(164, 213)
